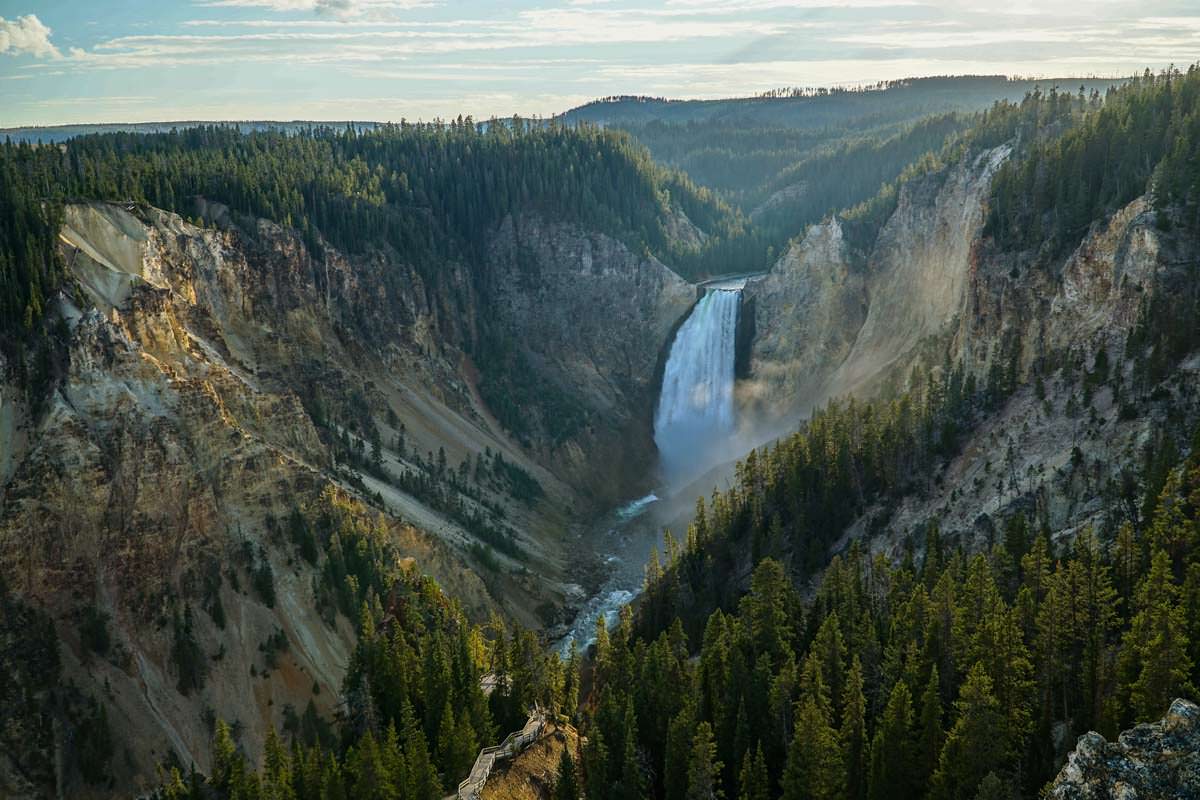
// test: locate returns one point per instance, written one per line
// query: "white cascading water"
(693, 427)
(695, 417)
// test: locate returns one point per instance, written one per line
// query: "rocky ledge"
(1151, 761)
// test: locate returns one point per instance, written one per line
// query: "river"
(694, 425)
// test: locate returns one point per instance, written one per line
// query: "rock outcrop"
(177, 438)
(933, 290)
(808, 311)
(1153, 761)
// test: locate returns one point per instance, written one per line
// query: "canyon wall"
(211, 381)
(932, 290)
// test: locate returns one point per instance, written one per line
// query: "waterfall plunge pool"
(694, 426)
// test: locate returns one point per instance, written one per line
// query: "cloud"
(26, 34)
(333, 8)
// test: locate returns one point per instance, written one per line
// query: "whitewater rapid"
(695, 415)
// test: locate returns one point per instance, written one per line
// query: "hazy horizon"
(420, 59)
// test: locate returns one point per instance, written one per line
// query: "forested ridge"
(756, 666)
(1087, 156)
(793, 178)
(427, 193)
(939, 677)
(828, 108)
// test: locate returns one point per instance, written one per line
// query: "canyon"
(215, 380)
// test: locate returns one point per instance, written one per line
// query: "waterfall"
(695, 418)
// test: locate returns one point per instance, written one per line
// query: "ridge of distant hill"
(908, 98)
(53, 134)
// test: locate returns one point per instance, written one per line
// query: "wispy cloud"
(420, 58)
(339, 8)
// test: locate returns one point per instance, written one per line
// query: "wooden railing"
(513, 744)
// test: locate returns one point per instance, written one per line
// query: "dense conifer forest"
(941, 677)
(414, 713)
(1086, 156)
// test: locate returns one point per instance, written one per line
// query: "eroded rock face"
(183, 429)
(808, 311)
(827, 328)
(1154, 761)
(175, 441)
(594, 318)
(933, 289)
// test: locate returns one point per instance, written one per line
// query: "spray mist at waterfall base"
(695, 429)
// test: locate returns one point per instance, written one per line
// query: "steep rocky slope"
(933, 292)
(1048, 452)
(828, 325)
(533, 774)
(1154, 761)
(592, 319)
(214, 382)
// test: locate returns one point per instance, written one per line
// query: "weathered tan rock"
(826, 327)
(179, 432)
(808, 311)
(1153, 761)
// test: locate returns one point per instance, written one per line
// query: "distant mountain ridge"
(53, 134)
(903, 99)
(952, 93)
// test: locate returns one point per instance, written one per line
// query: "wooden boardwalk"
(514, 743)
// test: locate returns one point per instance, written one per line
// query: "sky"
(76, 61)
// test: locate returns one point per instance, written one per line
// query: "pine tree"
(753, 783)
(422, 775)
(367, 774)
(595, 762)
(814, 763)
(853, 733)
(976, 744)
(1155, 654)
(277, 770)
(566, 787)
(629, 784)
(1097, 623)
(447, 729)
(830, 648)
(228, 766)
(571, 681)
(704, 770)
(457, 746)
(678, 752)
(931, 735)
(892, 751)
(767, 608)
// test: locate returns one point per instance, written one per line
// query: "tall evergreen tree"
(566, 787)
(892, 751)
(814, 766)
(931, 736)
(753, 782)
(976, 744)
(1155, 657)
(853, 733)
(704, 770)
